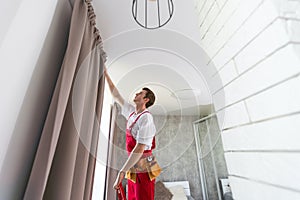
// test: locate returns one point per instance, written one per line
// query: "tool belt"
(145, 164)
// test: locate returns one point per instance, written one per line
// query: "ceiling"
(167, 60)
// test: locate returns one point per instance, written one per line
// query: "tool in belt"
(147, 163)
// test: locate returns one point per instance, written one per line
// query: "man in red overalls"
(140, 141)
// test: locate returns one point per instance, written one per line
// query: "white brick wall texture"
(246, 189)
(282, 99)
(264, 165)
(254, 48)
(226, 11)
(235, 21)
(264, 135)
(227, 74)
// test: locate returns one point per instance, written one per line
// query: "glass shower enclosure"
(211, 160)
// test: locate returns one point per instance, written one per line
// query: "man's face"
(139, 97)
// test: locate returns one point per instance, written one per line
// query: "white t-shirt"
(144, 129)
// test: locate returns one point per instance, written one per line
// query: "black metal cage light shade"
(152, 14)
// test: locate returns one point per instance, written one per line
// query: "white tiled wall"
(279, 100)
(264, 136)
(227, 74)
(283, 64)
(254, 46)
(249, 190)
(267, 42)
(284, 165)
(229, 27)
(235, 115)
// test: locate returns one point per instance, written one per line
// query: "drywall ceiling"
(166, 60)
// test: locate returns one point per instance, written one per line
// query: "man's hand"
(119, 180)
(133, 158)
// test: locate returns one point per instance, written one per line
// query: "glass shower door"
(211, 159)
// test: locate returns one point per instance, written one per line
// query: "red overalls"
(143, 189)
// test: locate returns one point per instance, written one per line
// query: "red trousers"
(143, 189)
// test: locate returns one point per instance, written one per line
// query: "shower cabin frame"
(203, 178)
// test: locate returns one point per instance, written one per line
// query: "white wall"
(254, 45)
(8, 11)
(33, 38)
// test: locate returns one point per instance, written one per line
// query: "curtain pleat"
(65, 159)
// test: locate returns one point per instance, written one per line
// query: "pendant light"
(152, 14)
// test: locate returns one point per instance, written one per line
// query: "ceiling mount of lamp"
(152, 14)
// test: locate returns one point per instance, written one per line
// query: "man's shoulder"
(146, 115)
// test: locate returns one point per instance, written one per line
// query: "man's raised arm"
(114, 91)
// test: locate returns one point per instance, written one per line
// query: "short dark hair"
(150, 95)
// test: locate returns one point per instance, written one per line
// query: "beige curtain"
(65, 159)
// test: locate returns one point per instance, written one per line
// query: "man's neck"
(140, 109)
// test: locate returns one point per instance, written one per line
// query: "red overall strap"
(130, 127)
(143, 188)
(128, 134)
